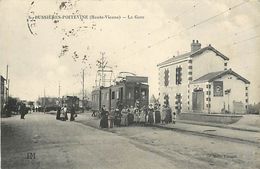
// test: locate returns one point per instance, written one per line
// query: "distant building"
(3, 93)
(199, 81)
(47, 101)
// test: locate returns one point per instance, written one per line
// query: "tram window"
(143, 92)
(113, 95)
(107, 95)
(129, 95)
(117, 94)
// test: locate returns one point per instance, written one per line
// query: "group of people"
(62, 113)
(134, 115)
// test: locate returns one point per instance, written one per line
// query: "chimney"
(195, 45)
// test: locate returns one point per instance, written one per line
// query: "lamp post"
(227, 92)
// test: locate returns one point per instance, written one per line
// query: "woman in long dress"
(136, 115)
(104, 118)
(124, 119)
(143, 115)
(150, 114)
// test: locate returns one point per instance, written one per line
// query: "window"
(225, 64)
(143, 93)
(246, 94)
(113, 95)
(246, 88)
(178, 75)
(117, 94)
(178, 103)
(246, 100)
(166, 77)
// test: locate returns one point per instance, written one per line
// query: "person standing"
(117, 118)
(124, 118)
(150, 114)
(62, 114)
(104, 118)
(72, 113)
(130, 115)
(174, 118)
(22, 110)
(65, 110)
(58, 113)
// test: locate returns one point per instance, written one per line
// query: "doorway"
(197, 100)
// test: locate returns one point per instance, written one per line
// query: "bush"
(254, 109)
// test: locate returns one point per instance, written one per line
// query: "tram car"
(70, 101)
(127, 92)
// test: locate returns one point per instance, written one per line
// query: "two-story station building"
(200, 81)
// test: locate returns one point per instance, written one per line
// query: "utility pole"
(44, 97)
(83, 86)
(7, 83)
(8, 93)
(102, 68)
(59, 94)
(59, 89)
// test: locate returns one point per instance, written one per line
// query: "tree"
(154, 100)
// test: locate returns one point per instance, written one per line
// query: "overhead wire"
(155, 30)
(193, 26)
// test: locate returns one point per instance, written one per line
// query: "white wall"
(205, 63)
(237, 94)
(172, 89)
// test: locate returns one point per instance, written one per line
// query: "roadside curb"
(217, 125)
(185, 131)
(221, 137)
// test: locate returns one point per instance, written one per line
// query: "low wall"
(211, 118)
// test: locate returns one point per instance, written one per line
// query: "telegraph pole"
(102, 68)
(8, 91)
(59, 94)
(7, 82)
(59, 89)
(44, 100)
(83, 86)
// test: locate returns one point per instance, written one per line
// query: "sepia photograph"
(130, 84)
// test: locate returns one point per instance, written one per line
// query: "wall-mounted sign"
(218, 88)
(138, 79)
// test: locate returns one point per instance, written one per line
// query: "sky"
(163, 28)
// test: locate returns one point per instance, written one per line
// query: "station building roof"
(216, 75)
(192, 54)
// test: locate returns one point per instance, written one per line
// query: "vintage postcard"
(123, 84)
